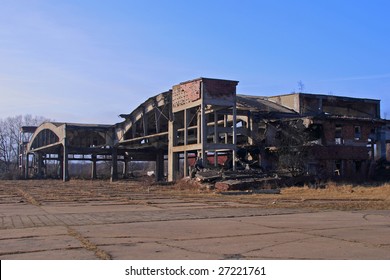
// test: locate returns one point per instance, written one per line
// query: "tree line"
(9, 142)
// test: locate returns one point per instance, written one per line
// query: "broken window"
(338, 137)
(358, 133)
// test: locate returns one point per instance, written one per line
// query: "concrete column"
(39, 158)
(65, 158)
(203, 133)
(254, 130)
(114, 165)
(93, 171)
(216, 127)
(125, 167)
(26, 166)
(234, 136)
(60, 170)
(216, 137)
(173, 158)
(225, 122)
(159, 165)
(145, 123)
(381, 145)
(185, 159)
(65, 164)
(199, 128)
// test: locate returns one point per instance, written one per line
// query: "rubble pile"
(241, 180)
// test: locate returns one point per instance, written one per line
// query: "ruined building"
(321, 135)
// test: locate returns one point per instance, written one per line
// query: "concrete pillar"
(125, 167)
(173, 158)
(145, 123)
(114, 165)
(26, 166)
(133, 128)
(199, 128)
(216, 127)
(93, 171)
(157, 115)
(61, 166)
(65, 160)
(159, 166)
(185, 158)
(381, 145)
(225, 123)
(216, 137)
(39, 158)
(234, 136)
(254, 130)
(203, 119)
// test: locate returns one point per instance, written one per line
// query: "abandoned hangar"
(321, 135)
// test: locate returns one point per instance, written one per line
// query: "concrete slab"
(174, 230)
(38, 244)
(153, 251)
(76, 224)
(321, 248)
(64, 254)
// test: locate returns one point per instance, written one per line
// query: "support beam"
(234, 136)
(94, 171)
(114, 165)
(225, 123)
(254, 131)
(65, 162)
(65, 156)
(26, 174)
(216, 136)
(203, 132)
(60, 170)
(125, 167)
(185, 160)
(39, 158)
(157, 115)
(159, 166)
(173, 158)
(145, 122)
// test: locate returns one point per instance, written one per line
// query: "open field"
(48, 219)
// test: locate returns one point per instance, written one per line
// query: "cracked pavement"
(103, 222)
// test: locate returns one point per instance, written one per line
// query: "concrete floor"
(161, 227)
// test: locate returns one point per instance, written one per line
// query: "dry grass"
(100, 254)
(333, 196)
(340, 191)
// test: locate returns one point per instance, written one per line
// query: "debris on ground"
(249, 180)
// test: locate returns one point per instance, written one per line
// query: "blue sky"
(89, 61)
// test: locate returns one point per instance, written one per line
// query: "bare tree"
(301, 86)
(9, 139)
